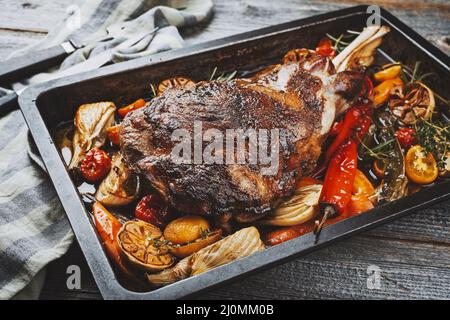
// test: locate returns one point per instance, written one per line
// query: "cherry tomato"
(420, 166)
(325, 48)
(406, 137)
(152, 209)
(96, 165)
(134, 106)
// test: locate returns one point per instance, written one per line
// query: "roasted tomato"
(406, 137)
(325, 48)
(152, 209)
(420, 166)
(96, 165)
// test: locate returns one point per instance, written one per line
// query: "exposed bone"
(361, 51)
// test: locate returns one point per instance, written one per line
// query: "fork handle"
(8, 103)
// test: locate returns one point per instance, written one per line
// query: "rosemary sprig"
(213, 73)
(409, 75)
(376, 152)
(412, 75)
(338, 43)
(153, 90)
(223, 76)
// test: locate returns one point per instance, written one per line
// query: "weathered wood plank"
(432, 23)
(430, 225)
(36, 16)
(430, 18)
(409, 270)
(55, 284)
(11, 41)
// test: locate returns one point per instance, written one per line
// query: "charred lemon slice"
(185, 250)
(144, 246)
(189, 234)
(186, 229)
(174, 82)
(420, 166)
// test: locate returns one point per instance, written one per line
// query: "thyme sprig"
(434, 137)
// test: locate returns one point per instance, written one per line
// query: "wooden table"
(413, 253)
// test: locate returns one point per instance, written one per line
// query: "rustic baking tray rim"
(104, 276)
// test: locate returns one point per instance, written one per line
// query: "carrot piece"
(131, 107)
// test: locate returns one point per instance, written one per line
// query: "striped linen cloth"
(33, 226)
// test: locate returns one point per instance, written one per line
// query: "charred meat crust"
(285, 97)
(213, 188)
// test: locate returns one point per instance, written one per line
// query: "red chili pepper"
(340, 176)
(336, 128)
(356, 124)
(367, 89)
(287, 233)
(325, 48)
(406, 137)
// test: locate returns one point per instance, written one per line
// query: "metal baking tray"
(46, 105)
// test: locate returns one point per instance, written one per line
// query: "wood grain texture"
(413, 253)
